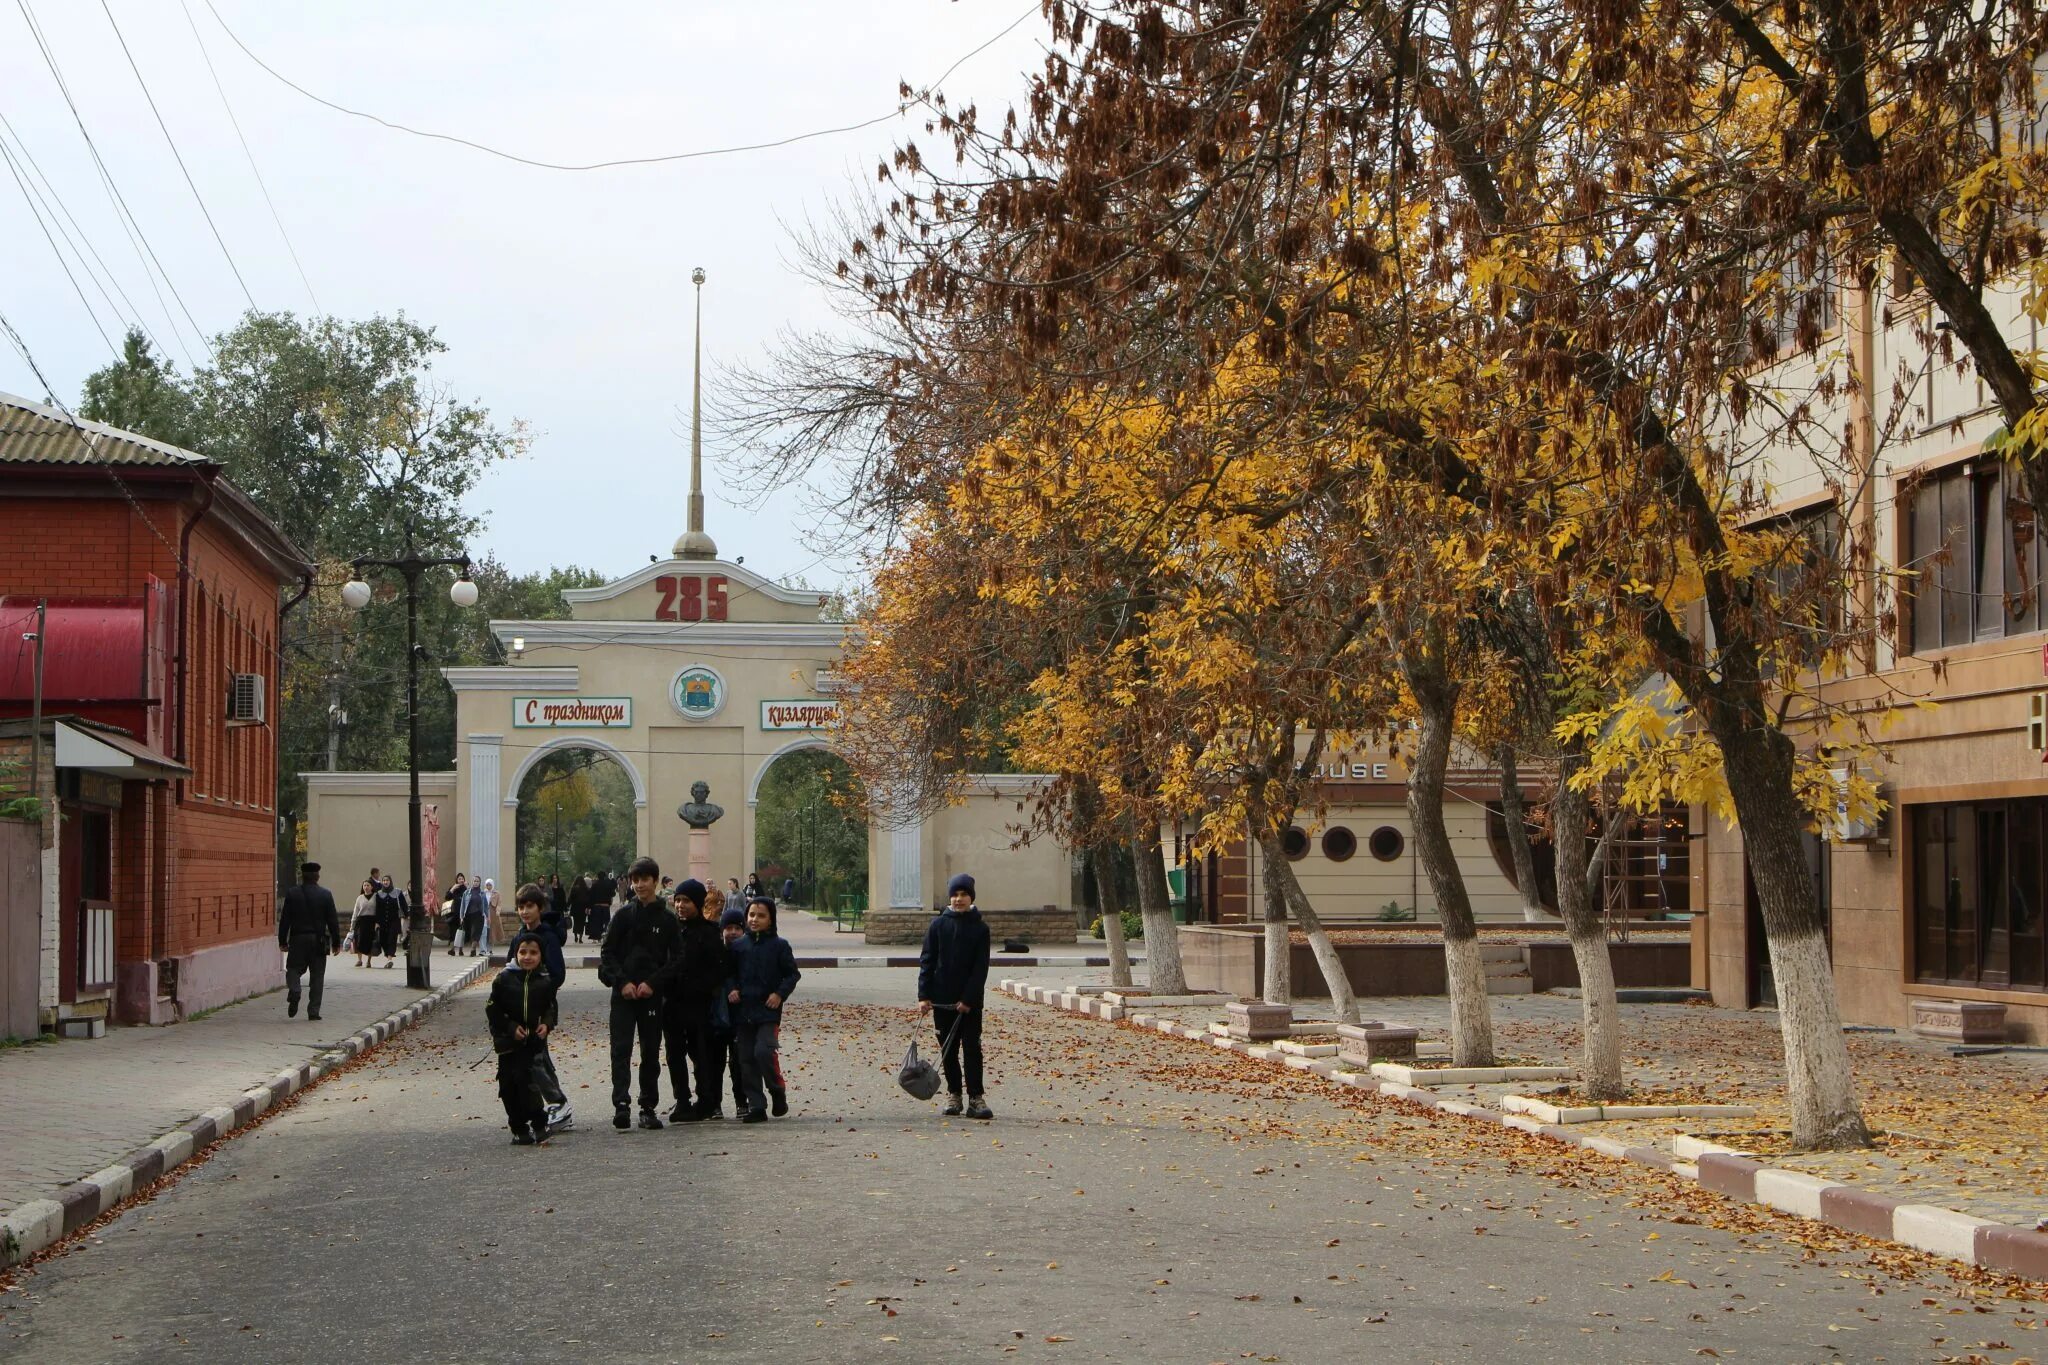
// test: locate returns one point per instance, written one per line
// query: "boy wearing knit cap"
(952, 973)
(686, 1012)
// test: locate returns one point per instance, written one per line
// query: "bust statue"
(698, 812)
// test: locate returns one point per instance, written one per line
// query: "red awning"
(96, 650)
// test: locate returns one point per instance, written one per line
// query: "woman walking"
(391, 910)
(365, 926)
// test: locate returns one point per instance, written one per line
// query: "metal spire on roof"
(694, 543)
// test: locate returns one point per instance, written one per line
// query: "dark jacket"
(558, 899)
(550, 935)
(520, 999)
(308, 911)
(643, 944)
(952, 969)
(762, 965)
(701, 975)
(474, 906)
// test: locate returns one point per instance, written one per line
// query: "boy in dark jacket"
(686, 1015)
(762, 976)
(642, 949)
(521, 1013)
(952, 972)
(530, 902)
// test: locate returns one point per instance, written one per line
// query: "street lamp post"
(555, 863)
(419, 950)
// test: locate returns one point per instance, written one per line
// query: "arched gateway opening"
(576, 815)
(810, 827)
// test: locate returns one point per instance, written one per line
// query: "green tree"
(810, 824)
(576, 815)
(140, 393)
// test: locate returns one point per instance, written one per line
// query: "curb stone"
(1980, 1242)
(33, 1226)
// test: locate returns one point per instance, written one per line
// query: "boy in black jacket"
(687, 1012)
(531, 900)
(952, 973)
(763, 974)
(642, 950)
(521, 1013)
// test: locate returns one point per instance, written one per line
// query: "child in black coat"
(763, 974)
(521, 1013)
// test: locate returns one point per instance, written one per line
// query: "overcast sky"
(564, 298)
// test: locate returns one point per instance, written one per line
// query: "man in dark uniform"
(307, 924)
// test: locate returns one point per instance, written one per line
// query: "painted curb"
(2016, 1251)
(39, 1223)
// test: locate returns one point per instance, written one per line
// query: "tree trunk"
(1819, 1086)
(1277, 987)
(1109, 894)
(1471, 1008)
(1516, 817)
(1600, 1014)
(1280, 874)
(1163, 972)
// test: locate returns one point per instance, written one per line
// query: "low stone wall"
(1039, 925)
(228, 972)
(1233, 960)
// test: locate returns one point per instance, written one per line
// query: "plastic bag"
(918, 1077)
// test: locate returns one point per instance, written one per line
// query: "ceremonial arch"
(692, 669)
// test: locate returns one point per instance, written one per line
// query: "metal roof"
(33, 433)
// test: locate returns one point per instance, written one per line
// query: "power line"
(78, 232)
(177, 155)
(62, 264)
(236, 123)
(897, 112)
(138, 239)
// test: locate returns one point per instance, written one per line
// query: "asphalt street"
(1136, 1199)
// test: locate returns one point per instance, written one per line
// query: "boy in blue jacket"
(763, 974)
(952, 973)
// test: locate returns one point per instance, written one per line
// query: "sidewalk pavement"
(1967, 1136)
(75, 1107)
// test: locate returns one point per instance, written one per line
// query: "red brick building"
(159, 583)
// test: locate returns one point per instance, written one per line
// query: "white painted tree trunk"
(1599, 1012)
(1280, 873)
(1109, 893)
(1163, 972)
(1277, 984)
(1471, 1028)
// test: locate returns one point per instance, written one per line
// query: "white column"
(486, 777)
(906, 863)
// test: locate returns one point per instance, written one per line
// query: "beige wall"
(978, 835)
(1356, 888)
(356, 821)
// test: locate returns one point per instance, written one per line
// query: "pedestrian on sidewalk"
(638, 961)
(521, 1013)
(579, 905)
(457, 897)
(363, 923)
(952, 973)
(600, 914)
(492, 907)
(534, 923)
(470, 913)
(686, 1013)
(308, 930)
(763, 974)
(391, 910)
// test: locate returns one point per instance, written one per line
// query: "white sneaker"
(560, 1118)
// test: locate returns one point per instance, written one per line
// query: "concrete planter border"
(40, 1223)
(1468, 1075)
(2007, 1250)
(1545, 1112)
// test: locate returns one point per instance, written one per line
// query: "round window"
(1294, 843)
(1386, 843)
(1339, 843)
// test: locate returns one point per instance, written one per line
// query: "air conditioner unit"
(245, 699)
(1866, 830)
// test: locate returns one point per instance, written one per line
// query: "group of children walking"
(709, 982)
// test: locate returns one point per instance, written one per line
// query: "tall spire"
(694, 543)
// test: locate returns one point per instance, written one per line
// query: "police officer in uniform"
(306, 924)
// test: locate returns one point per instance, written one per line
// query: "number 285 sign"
(690, 597)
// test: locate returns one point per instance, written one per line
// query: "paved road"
(1136, 1199)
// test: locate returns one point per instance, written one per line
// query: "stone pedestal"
(700, 855)
(1960, 1021)
(1257, 1022)
(1363, 1044)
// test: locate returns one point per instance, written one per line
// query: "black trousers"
(686, 1033)
(387, 933)
(630, 1019)
(965, 1031)
(522, 1074)
(305, 955)
(755, 1044)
